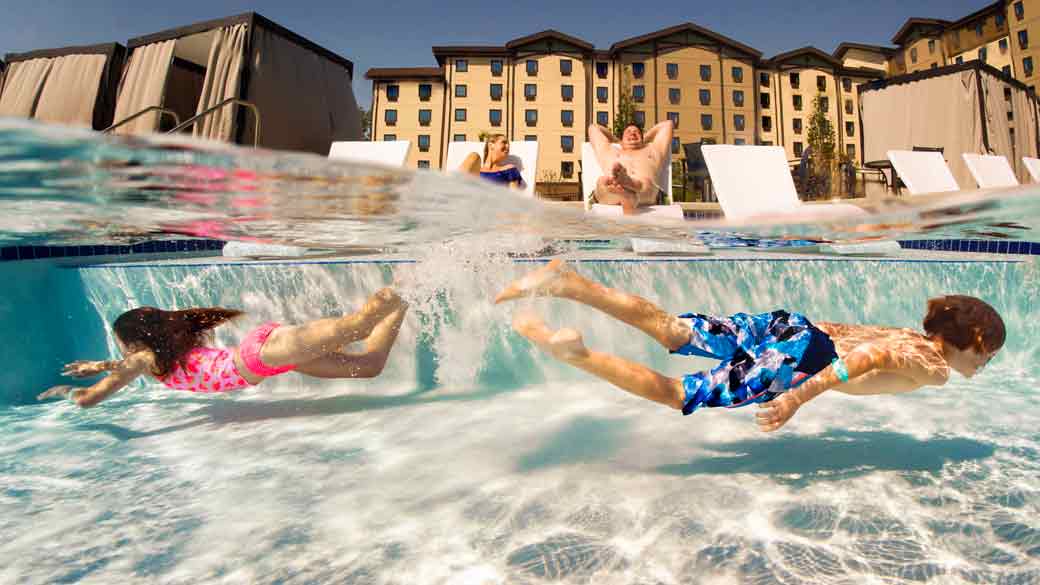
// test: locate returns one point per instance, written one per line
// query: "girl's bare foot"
(565, 344)
(542, 282)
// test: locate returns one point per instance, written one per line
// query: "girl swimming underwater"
(779, 360)
(171, 346)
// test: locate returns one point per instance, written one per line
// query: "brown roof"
(405, 73)
(914, 23)
(997, 6)
(804, 52)
(549, 34)
(861, 72)
(843, 48)
(686, 26)
(442, 52)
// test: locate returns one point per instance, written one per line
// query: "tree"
(626, 107)
(366, 123)
(822, 150)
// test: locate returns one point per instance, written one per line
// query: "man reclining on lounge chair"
(629, 173)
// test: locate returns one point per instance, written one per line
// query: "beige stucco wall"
(928, 56)
(477, 103)
(408, 127)
(1030, 23)
(860, 58)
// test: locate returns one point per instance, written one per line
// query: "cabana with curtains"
(71, 85)
(970, 107)
(301, 91)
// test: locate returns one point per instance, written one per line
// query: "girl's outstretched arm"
(121, 374)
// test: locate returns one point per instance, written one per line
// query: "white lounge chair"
(990, 171)
(923, 172)
(1033, 166)
(393, 153)
(590, 173)
(522, 154)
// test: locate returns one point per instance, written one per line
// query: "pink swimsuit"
(209, 369)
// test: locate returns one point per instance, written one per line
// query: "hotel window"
(796, 125)
(495, 117)
(959, 60)
(738, 98)
(850, 128)
(674, 117)
(567, 143)
(796, 80)
(566, 66)
(767, 124)
(739, 141)
(602, 69)
(461, 65)
(390, 117)
(738, 74)
(738, 122)
(601, 95)
(848, 106)
(1007, 94)
(458, 138)
(567, 118)
(496, 68)
(567, 93)
(567, 169)
(978, 28)
(1023, 39)
(460, 114)
(1027, 66)
(704, 96)
(530, 138)
(1011, 118)
(603, 118)
(999, 20)
(1002, 44)
(913, 55)
(532, 67)
(674, 95)
(982, 54)
(798, 149)
(530, 91)
(638, 93)
(389, 137)
(821, 83)
(425, 92)
(675, 145)
(705, 72)
(1006, 70)
(763, 79)
(846, 84)
(424, 142)
(672, 70)
(639, 118)
(825, 104)
(394, 91)
(763, 100)
(850, 150)
(1020, 12)
(425, 116)
(796, 100)
(496, 92)
(706, 121)
(638, 69)
(531, 117)
(422, 164)
(460, 91)
(931, 46)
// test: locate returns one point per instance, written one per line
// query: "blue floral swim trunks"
(762, 356)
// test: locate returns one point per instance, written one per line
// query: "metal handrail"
(256, 117)
(160, 109)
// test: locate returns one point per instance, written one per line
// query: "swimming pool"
(476, 459)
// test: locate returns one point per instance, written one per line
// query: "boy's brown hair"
(965, 322)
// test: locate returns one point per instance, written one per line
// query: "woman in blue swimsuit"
(494, 167)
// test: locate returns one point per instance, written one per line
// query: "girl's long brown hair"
(170, 335)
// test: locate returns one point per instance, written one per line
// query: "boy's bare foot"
(542, 282)
(565, 344)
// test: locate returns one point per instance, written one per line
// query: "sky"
(400, 33)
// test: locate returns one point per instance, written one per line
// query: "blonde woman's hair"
(487, 144)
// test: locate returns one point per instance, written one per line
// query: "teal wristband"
(840, 369)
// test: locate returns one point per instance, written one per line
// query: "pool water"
(475, 459)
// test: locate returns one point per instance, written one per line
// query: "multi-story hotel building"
(551, 86)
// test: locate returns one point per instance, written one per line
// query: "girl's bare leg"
(567, 346)
(367, 364)
(555, 280)
(297, 344)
